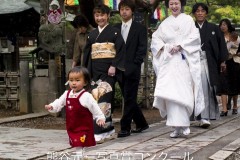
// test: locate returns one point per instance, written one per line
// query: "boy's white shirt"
(86, 101)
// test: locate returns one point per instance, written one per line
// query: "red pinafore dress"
(79, 123)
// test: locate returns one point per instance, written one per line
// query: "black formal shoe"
(223, 113)
(123, 133)
(139, 130)
(234, 111)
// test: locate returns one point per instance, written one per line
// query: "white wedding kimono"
(178, 87)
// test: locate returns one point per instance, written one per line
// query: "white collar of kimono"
(200, 25)
(101, 29)
(128, 23)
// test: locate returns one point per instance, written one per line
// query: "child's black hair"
(234, 35)
(86, 75)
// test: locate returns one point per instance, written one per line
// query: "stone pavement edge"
(220, 141)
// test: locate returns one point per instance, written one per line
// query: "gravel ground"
(51, 122)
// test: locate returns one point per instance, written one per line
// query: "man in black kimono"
(104, 56)
(135, 37)
(213, 55)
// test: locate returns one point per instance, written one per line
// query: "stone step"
(229, 152)
(22, 117)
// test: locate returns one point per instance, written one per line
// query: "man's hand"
(111, 71)
(223, 67)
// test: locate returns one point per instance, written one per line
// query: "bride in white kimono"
(176, 60)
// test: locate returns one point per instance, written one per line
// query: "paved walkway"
(220, 141)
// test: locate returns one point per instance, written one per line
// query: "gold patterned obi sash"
(103, 50)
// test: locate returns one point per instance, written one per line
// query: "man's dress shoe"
(139, 130)
(123, 133)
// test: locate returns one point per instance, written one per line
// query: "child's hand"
(101, 122)
(48, 107)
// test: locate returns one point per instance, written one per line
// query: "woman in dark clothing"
(230, 78)
(104, 56)
(236, 59)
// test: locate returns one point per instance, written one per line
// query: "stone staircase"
(229, 152)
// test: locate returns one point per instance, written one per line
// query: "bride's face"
(175, 7)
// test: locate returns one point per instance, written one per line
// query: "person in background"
(176, 60)
(104, 56)
(81, 109)
(231, 82)
(135, 37)
(83, 28)
(236, 59)
(213, 56)
(235, 52)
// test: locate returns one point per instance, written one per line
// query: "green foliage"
(230, 12)
(69, 26)
(218, 9)
(117, 96)
(116, 18)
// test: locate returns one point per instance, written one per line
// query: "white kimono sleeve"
(191, 42)
(59, 103)
(157, 43)
(157, 46)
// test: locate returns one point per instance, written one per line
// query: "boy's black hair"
(128, 3)
(229, 25)
(102, 8)
(80, 21)
(86, 75)
(234, 35)
(197, 5)
(183, 3)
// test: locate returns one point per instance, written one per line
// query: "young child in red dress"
(81, 109)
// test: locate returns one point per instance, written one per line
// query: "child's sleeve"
(59, 103)
(89, 102)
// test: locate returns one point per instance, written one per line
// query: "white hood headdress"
(54, 2)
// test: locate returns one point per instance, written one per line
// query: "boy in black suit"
(135, 37)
